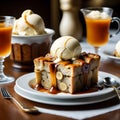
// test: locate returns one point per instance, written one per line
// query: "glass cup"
(98, 22)
(6, 25)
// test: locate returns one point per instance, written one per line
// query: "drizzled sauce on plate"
(54, 90)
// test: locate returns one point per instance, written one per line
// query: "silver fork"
(8, 96)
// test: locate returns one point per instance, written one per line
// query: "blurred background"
(50, 10)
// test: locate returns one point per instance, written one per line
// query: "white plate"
(6, 81)
(22, 87)
(109, 54)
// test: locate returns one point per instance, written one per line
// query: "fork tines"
(5, 93)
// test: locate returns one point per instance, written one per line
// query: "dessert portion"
(30, 39)
(66, 68)
(29, 24)
(117, 49)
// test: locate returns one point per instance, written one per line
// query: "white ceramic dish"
(34, 39)
(109, 54)
(23, 88)
(6, 82)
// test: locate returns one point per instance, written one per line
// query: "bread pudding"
(69, 75)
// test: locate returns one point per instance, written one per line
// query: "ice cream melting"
(98, 15)
(65, 48)
(29, 24)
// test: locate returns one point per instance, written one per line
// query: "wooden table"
(9, 111)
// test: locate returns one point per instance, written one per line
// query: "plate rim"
(110, 55)
(65, 103)
(26, 88)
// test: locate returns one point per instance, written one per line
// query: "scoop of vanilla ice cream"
(117, 49)
(65, 48)
(29, 24)
(97, 15)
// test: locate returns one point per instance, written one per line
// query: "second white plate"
(109, 54)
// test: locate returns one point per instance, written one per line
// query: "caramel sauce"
(52, 74)
(43, 59)
(54, 90)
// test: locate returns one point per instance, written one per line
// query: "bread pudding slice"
(69, 76)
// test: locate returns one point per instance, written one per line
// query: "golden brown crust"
(68, 76)
(38, 76)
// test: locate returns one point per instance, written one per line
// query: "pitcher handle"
(117, 20)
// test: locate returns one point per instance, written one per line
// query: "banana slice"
(59, 75)
(62, 86)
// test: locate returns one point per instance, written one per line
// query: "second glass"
(6, 25)
(98, 22)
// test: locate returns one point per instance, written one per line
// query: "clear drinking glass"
(6, 25)
(98, 22)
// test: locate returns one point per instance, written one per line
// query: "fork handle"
(25, 108)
